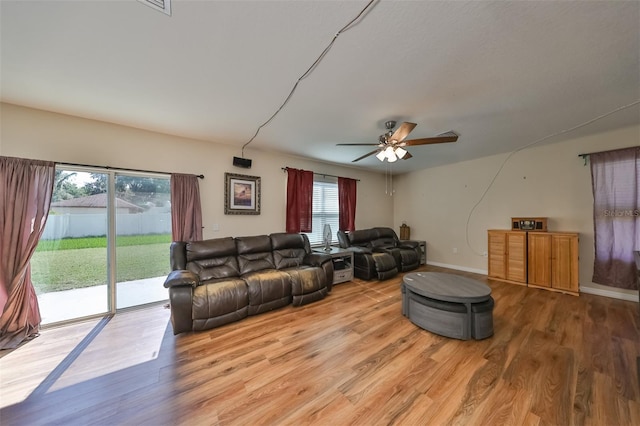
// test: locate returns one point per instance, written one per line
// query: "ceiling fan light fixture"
(391, 155)
(391, 144)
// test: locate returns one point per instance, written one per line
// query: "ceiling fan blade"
(402, 131)
(357, 144)
(407, 156)
(366, 155)
(443, 138)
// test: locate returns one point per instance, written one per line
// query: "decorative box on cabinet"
(508, 256)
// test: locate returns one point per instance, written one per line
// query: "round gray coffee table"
(447, 304)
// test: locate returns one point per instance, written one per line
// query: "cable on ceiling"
(312, 67)
(571, 129)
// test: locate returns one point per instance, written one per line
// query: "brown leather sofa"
(218, 281)
(378, 253)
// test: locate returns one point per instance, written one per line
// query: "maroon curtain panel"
(615, 177)
(26, 188)
(186, 210)
(299, 200)
(347, 195)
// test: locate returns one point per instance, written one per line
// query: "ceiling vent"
(161, 5)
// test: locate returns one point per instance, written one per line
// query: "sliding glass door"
(105, 245)
(69, 266)
(143, 236)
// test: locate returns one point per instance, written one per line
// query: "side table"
(342, 263)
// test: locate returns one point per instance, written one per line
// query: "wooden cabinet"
(497, 254)
(538, 259)
(508, 255)
(553, 260)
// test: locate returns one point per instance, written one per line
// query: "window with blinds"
(325, 209)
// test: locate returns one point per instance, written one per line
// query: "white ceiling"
(501, 74)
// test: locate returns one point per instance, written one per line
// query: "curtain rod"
(119, 168)
(586, 155)
(602, 152)
(320, 174)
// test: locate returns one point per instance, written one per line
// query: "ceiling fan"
(391, 144)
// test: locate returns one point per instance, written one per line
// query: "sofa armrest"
(316, 259)
(181, 278)
(409, 244)
(383, 249)
(181, 302)
(359, 250)
(323, 261)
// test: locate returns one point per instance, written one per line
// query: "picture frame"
(241, 194)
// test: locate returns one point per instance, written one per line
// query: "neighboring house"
(92, 204)
(87, 216)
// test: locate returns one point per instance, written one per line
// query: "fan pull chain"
(388, 181)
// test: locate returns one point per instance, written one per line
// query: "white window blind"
(325, 209)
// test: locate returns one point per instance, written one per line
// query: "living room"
(551, 175)
(449, 200)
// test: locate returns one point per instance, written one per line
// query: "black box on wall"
(242, 162)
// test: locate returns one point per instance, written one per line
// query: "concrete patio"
(69, 304)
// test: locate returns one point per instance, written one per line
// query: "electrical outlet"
(455, 250)
(216, 227)
(485, 254)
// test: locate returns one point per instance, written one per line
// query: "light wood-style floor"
(352, 358)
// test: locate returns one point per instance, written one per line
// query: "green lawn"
(98, 242)
(137, 257)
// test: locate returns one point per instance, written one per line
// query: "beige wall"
(36, 134)
(545, 181)
(548, 180)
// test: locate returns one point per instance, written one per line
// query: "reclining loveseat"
(378, 253)
(218, 281)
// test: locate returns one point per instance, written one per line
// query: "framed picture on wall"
(241, 194)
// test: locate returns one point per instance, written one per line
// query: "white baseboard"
(609, 293)
(458, 268)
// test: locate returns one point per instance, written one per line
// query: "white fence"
(89, 225)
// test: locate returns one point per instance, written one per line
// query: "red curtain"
(299, 200)
(347, 203)
(26, 188)
(186, 211)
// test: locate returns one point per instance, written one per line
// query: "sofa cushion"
(219, 302)
(386, 233)
(254, 254)
(288, 250)
(288, 258)
(284, 240)
(267, 289)
(362, 237)
(409, 258)
(384, 237)
(308, 284)
(196, 250)
(212, 259)
(384, 262)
